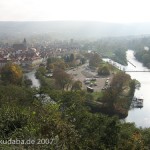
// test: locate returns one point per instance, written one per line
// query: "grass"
(97, 95)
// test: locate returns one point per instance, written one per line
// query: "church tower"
(24, 43)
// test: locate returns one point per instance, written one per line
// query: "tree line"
(144, 57)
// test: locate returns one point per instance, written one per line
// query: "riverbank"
(141, 117)
(117, 99)
(144, 57)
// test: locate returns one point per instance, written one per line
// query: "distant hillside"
(73, 29)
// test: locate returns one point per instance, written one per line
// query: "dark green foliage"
(27, 82)
(132, 87)
(104, 71)
(83, 60)
(41, 71)
(146, 137)
(69, 124)
(52, 60)
(120, 57)
(144, 57)
(15, 94)
(131, 137)
(69, 58)
(12, 118)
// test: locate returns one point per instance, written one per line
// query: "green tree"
(16, 94)
(27, 81)
(130, 138)
(41, 71)
(50, 67)
(146, 59)
(104, 70)
(120, 57)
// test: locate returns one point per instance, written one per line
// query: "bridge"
(137, 71)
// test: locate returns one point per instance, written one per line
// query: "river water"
(35, 82)
(141, 117)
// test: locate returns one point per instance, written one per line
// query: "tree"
(145, 59)
(77, 85)
(94, 60)
(60, 65)
(51, 60)
(50, 67)
(63, 80)
(131, 138)
(72, 57)
(120, 81)
(69, 58)
(83, 60)
(41, 71)
(103, 71)
(27, 81)
(120, 57)
(12, 74)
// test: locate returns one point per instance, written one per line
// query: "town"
(30, 57)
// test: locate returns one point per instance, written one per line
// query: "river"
(35, 82)
(141, 117)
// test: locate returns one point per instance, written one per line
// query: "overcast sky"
(122, 11)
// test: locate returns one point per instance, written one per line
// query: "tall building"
(22, 46)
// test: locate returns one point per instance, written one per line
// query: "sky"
(116, 11)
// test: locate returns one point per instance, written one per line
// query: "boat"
(137, 102)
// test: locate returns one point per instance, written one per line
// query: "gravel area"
(81, 73)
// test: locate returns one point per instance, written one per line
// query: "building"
(21, 46)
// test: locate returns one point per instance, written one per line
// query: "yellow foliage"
(16, 72)
(11, 73)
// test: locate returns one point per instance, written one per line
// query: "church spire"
(24, 42)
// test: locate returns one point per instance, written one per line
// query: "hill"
(73, 29)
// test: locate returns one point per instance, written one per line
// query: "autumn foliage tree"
(12, 74)
(120, 81)
(94, 60)
(77, 85)
(63, 80)
(53, 63)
